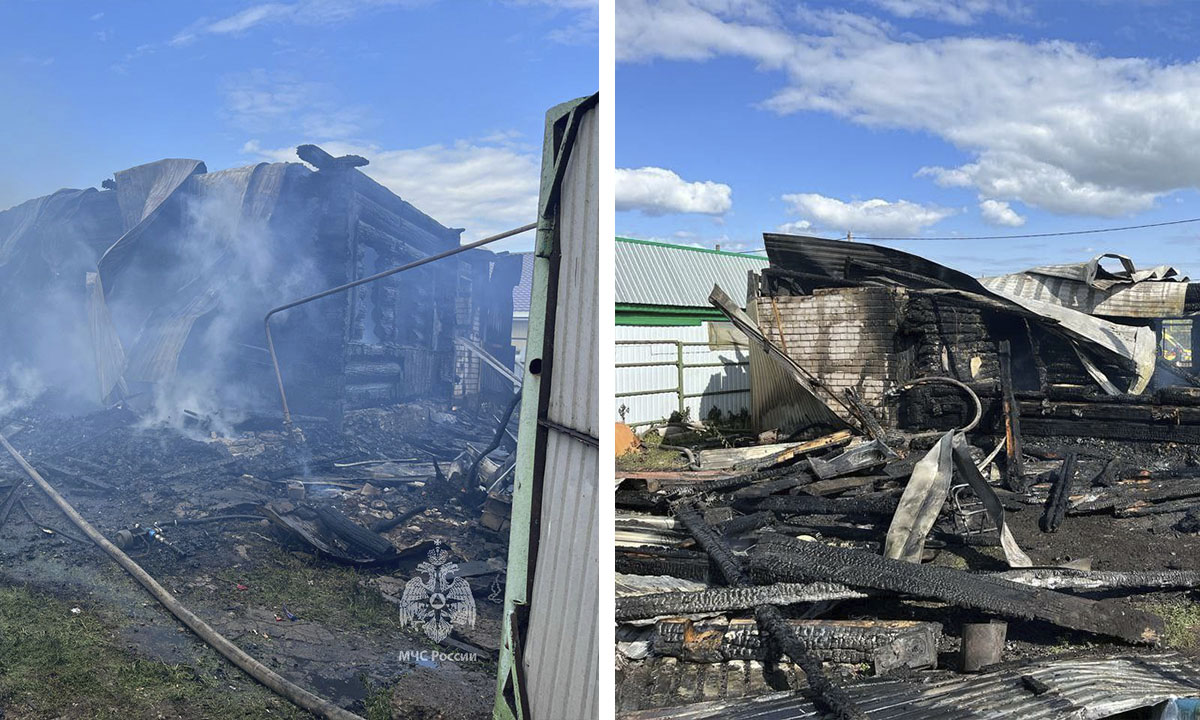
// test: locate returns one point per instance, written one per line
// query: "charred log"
(783, 559)
(1060, 494)
(784, 640)
(726, 599)
(885, 644)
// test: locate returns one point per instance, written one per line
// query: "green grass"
(1181, 618)
(651, 457)
(55, 664)
(312, 589)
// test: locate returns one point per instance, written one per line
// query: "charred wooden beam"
(1112, 430)
(1060, 494)
(778, 485)
(1128, 495)
(728, 599)
(1101, 580)
(747, 523)
(1014, 472)
(867, 418)
(685, 564)
(885, 644)
(783, 559)
(870, 504)
(728, 484)
(828, 694)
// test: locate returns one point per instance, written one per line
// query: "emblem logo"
(440, 601)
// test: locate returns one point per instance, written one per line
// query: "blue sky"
(912, 118)
(446, 97)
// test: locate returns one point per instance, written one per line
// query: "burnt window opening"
(371, 265)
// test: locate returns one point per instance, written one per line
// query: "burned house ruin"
(153, 289)
(986, 489)
(1091, 351)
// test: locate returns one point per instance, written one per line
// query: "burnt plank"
(783, 559)
(1014, 471)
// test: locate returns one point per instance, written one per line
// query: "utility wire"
(1038, 235)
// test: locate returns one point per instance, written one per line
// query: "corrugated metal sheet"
(1080, 688)
(1148, 299)
(656, 274)
(777, 402)
(561, 650)
(714, 382)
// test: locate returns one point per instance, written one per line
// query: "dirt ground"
(245, 578)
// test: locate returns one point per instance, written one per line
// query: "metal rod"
(495, 364)
(287, 415)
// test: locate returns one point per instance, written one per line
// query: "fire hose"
(268, 677)
(949, 381)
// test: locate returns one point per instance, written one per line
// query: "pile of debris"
(978, 475)
(208, 515)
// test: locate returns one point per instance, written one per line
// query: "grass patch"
(55, 664)
(1181, 617)
(312, 589)
(651, 457)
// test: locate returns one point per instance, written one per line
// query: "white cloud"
(955, 12)
(657, 191)
(258, 101)
(483, 187)
(1051, 124)
(796, 227)
(326, 12)
(998, 212)
(872, 217)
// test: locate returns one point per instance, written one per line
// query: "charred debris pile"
(975, 487)
(135, 377)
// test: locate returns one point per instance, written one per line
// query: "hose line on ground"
(268, 677)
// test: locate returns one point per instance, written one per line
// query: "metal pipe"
(287, 415)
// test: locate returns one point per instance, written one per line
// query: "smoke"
(232, 264)
(186, 300)
(20, 385)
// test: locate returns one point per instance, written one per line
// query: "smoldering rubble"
(135, 378)
(959, 497)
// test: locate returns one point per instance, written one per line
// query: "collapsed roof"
(169, 269)
(1101, 312)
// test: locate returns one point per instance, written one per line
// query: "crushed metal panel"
(106, 345)
(1133, 347)
(923, 497)
(777, 402)
(1136, 347)
(1149, 299)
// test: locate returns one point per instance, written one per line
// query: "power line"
(1038, 235)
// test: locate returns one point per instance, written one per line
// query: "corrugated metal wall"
(777, 401)
(725, 386)
(561, 651)
(657, 274)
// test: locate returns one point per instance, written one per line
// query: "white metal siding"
(651, 408)
(561, 652)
